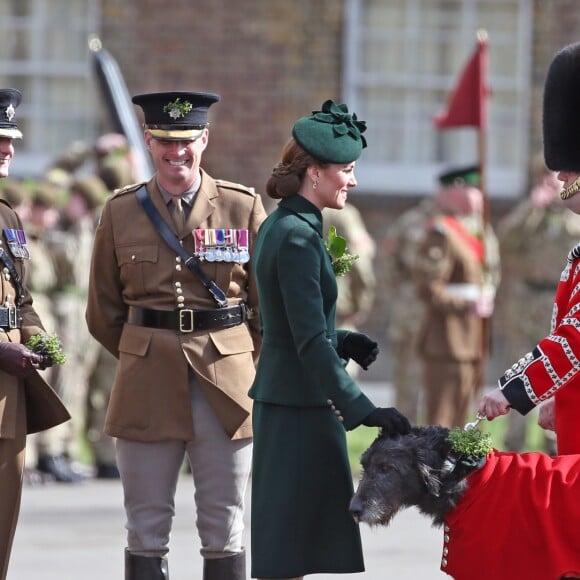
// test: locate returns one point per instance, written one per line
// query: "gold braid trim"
(571, 190)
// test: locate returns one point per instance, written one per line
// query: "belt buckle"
(12, 317)
(186, 322)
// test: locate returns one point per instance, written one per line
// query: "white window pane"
(408, 56)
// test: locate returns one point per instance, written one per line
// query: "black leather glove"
(17, 360)
(360, 348)
(389, 420)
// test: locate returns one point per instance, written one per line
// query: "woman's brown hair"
(287, 176)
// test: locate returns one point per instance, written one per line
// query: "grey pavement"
(77, 532)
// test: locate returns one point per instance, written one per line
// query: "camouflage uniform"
(356, 290)
(88, 377)
(400, 248)
(534, 242)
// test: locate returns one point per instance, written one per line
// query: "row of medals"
(17, 243)
(222, 245)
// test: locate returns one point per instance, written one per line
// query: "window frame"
(412, 178)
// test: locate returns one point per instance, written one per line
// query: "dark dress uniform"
(303, 401)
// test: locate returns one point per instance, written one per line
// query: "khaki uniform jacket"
(132, 266)
(450, 331)
(43, 407)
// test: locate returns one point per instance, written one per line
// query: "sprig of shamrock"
(342, 261)
(48, 346)
(471, 443)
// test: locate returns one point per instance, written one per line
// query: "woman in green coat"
(304, 400)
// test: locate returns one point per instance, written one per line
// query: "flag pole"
(482, 39)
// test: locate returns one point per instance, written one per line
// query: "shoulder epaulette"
(128, 189)
(236, 186)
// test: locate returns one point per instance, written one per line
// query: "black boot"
(230, 568)
(143, 568)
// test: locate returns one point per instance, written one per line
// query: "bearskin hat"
(561, 113)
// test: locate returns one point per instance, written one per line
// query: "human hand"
(484, 306)
(389, 420)
(17, 360)
(360, 348)
(493, 405)
(547, 415)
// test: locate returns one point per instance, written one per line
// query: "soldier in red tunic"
(549, 375)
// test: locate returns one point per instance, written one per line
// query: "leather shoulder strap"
(172, 241)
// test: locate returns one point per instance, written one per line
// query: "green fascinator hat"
(331, 135)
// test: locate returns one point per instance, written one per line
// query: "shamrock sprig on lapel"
(342, 261)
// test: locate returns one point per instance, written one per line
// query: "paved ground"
(76, 532)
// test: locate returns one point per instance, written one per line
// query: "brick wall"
(271, 61)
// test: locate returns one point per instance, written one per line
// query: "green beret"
(469, 175)
(331, 135)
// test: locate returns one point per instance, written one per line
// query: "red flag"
(466, 105)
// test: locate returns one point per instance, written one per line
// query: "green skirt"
(301, 490)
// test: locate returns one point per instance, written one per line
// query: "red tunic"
(520, 518)
(553, 367)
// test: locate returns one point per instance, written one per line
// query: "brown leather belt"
(10, 317)
(187, 320)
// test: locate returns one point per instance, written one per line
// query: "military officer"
(186, 340)
(27, 403)
(456, 274)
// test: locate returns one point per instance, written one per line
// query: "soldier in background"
(531, 238)
(80, 380)
(457, 273)
(18, 196)
(89, 173)
(356, 290)
(400, 251)
(50, 451)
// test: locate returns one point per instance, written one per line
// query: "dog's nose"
(356, 508)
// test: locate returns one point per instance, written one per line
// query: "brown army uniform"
(401, 250)
(450, 340)
(136, 268)
(27, 405)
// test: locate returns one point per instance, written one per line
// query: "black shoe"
(60, 468)
(107, 471)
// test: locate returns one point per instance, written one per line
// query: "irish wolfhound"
(506, 516)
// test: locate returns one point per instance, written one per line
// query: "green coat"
(303, 400)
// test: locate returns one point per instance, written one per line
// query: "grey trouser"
(220, 467)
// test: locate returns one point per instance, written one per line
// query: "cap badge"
(177, 108)
(10, 112)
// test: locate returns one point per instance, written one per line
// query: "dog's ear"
(428, 472)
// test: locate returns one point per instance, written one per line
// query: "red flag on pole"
(466, 105)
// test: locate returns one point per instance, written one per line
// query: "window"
(44, 54)
(403, 58)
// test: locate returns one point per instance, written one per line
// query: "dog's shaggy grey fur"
(418, 469)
